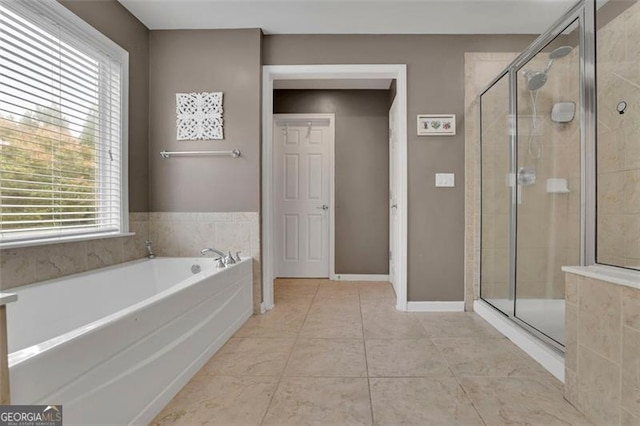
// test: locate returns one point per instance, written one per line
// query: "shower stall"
(534, 133)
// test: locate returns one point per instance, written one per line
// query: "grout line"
(619, 391)
(470, 400)
(275, 390)
(577, 345)
(457, 379)
(366, 361)
(626, 80)
(319, 376)
(534, 378)
(442, 356)
(597, 353)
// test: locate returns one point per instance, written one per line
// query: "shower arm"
(546, 70)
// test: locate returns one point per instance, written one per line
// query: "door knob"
(394, 206)
(324, 207)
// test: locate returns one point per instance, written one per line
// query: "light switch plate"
(445, 180)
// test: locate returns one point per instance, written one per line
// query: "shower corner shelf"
(557, 186)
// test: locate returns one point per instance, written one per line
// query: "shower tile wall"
(619, 140)
(602, 372)
(22, 266)
(185, 234)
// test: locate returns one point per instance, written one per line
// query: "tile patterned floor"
(339, 353)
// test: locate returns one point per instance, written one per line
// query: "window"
(63, 143)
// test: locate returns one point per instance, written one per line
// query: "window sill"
(6, 298)
(610, 274)
(63, 239)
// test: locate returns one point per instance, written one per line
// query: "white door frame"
(332, 180)
(393, 230)
(270, 73)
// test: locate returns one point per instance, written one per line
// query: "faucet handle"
(150, 253)
(220, 264)
(238, 259)
(230, 260)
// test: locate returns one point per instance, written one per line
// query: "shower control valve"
(526, 176)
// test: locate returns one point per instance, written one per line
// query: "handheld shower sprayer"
(535, 81)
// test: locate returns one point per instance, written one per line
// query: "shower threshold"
(550, 358)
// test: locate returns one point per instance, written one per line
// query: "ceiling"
(353, 16)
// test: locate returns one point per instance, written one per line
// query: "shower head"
(535, 79)
(558, 53)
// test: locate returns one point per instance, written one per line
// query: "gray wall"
(435, 68)
(205, 61)
(361, 171)
(229, 60)
(114, 21)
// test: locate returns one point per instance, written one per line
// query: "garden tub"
(114, 345)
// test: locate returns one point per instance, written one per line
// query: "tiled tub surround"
(28, 265)
(173, 235)
(184, 234)
(618, 151)
(602, 362)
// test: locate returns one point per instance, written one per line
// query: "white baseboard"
(361, 277)
(264, 308)
(435, 306)
(550, 359)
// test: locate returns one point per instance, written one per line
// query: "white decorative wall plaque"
(199, 116)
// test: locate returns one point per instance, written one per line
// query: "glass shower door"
(495, 283)
(548, 183)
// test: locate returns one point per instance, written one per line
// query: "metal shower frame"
(583, 12)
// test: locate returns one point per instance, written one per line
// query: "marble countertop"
(620, 276)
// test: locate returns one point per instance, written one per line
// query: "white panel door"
(394, 167)
(302, 188)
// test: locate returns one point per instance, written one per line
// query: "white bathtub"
(115, 345)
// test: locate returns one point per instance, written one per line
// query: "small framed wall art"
(436, 125)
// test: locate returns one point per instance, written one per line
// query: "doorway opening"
(299, 179)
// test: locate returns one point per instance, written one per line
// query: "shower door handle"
(526, 176)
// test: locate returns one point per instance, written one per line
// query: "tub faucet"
(212, 250)
(150, 253)
(222, 259)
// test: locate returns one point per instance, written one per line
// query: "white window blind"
(62, 126)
